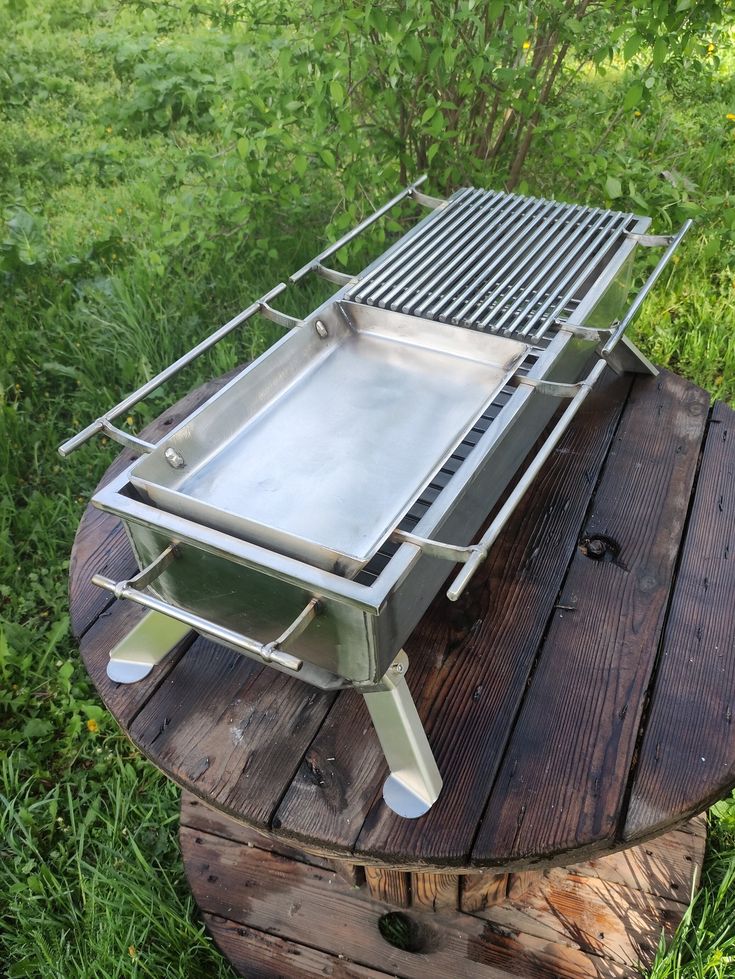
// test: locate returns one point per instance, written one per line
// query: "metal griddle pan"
(319, 448)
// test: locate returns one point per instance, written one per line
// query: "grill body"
(545, 282)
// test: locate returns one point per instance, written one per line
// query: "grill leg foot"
(144, 646)
(414, 783)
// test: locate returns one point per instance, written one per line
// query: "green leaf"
(93, 712)
(243, 147)
(520, 31)
(633, 96)
(632, 46)
(613, 187)
(337, 92)
(413, 46)
(35, 727)
(683, 5)
(660, 50)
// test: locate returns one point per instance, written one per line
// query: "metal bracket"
(426, 200)
(271, 651)
(554, 389)
(127, 439)
(282, 319)
(414, 783)
(577, 330)
(333, 275)
(650, 241)
(434, 548)
(151, 571)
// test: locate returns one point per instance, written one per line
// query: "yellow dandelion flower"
(119, 210)
(129, 421)
(730, 116)
(710, 48)
(92, 726)
(526, 45)
(109, 129)
(637, 113)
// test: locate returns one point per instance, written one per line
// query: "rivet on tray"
(174, 458)
(321, 329)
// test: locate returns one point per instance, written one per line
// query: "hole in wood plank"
(404, 932)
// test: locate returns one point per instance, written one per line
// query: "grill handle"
(481, 549)
(269, 652)
(103, 423)
(650, 282)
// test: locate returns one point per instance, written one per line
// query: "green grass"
(132, 221)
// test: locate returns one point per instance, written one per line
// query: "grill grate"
(496, 261)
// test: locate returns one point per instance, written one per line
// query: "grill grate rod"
(436, 226)
(520, 260)
(468, 213)
(430, 261)
(445, 286)
(546, 274)
(570, 284)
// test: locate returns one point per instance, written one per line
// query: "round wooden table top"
(579, 698)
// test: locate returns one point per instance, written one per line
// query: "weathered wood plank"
(603, 919)
(199, 816)
(258, 955)
(562, 783)
(390, 886)
(687, 756)
(230, 730)
(304, 906)
(469, 666)
(483, 890)
(100, 545)
(435, 892)
(668, 866)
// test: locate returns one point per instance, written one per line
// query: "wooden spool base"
(279, 912)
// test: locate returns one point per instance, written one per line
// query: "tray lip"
(281, 540)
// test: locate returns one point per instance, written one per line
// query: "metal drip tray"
(321, 446)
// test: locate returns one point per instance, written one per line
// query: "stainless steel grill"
(305, 515)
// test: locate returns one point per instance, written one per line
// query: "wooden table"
(579, 701)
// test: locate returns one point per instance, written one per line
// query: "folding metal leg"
(625, 357)
(414, 783)
(144, 646)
